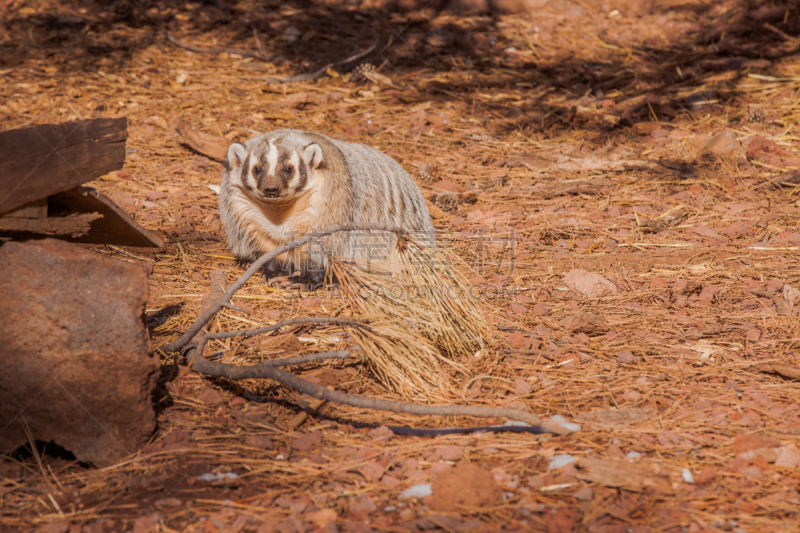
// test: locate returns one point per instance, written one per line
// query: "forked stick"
(194, 341)
(265, 370)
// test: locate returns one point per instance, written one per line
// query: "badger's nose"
(271, 192)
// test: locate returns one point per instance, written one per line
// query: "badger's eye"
(288, 170)
(257, 170)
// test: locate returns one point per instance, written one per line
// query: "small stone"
(723, 143)
(307, 441)
(54, 527)
(589, 284)
(584, 494)
(467, 486)
(522, 386)
(259, 441)
(788, 457)
(625, 357)
(450, 453)
(323, 517)
(310, 302)
(146, 524)
(706, 476)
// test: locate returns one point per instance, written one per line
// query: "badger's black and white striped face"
(277, 168)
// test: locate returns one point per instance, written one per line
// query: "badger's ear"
(312, 155)
(236, 155)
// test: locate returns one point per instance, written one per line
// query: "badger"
(283, 184)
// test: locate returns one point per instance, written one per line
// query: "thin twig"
(307, 358)
(321, 320)
(313, 76)
(256, 266)
(215, 51)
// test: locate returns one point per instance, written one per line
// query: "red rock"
(440, 468)
(735, 230)
(259, 441)
(380, 433)
(563, 521)
(585, 494)
(450, 453)
(54, 527)
(155, 195)
(76, 358)
(759, 146)
(323, 517)
(518, 309)
(146, 524)
(745, 442)
(176, 436)
(788, 457)
(362, 508)
(706, 476)
(625, 357)
(589, 284)
(446, 186)
(708, 291)
(465, 487)
(373, 470)
(310, 302)
(658, 282)
(307, 441)
(516, 339)
(723, 143)
(752, 335)
(211, 397)
(542, 309)
(522, 386)
(273, 314)
(585, 323)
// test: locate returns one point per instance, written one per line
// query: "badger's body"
(286, 183)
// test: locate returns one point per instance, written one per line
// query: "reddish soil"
(652, 143)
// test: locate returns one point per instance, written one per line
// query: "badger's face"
(276, 168)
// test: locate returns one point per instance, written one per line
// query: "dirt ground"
(652, 143)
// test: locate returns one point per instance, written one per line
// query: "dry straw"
(421, 313)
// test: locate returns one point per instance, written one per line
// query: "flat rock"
(588, 283)
(78, 368)
(465, 487)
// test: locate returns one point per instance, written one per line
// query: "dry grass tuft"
(422, 315)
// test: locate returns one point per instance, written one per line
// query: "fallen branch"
(205, 143)
(552, 190)
(263, 370)
(194, 340)
(781, 369)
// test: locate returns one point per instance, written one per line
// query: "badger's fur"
(286, 183)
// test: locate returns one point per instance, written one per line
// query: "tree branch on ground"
(193, 342)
